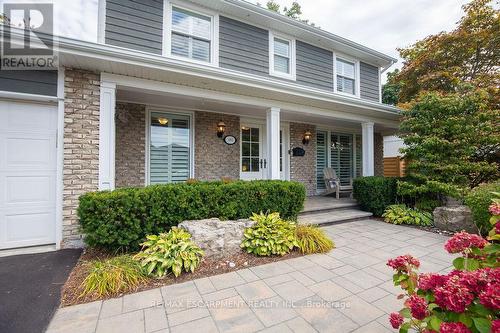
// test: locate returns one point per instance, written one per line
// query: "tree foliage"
(294, 11)
(448, 138)
(390, 90)
(468, 54)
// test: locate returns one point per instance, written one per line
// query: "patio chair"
(332, 183)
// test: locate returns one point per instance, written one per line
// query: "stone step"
(308, 210)
(333, 216)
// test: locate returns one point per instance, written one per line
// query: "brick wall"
(303, 168)
(213, 158)
(81, 146)
(130, 145)
(378, 148)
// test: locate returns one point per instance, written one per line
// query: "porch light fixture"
(221, 127)
(307, 137)
(163, 121)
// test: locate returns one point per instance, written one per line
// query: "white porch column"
(368, 151)
(107, 136)
(273, 143)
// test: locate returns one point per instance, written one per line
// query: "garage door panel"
(25, 189)
(26, 229)
(27, 174)
(30, 152)
(38, 117)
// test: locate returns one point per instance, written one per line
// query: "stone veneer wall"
(130, 169)
(303, 168)
(378, 148)
(81, 146)
(213, 158)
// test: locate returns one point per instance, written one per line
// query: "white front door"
(27, 174)
(253, 156)
(253, 161)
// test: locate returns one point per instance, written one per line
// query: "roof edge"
(315, 30)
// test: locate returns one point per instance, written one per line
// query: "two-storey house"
(173, 90)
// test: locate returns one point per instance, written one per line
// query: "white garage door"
(27, 174)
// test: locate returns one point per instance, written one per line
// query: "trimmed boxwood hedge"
(374, 194)
(121, 219)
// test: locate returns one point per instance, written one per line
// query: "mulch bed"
(72, 289)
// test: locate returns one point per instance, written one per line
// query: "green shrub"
(311, 239)
(269, 235)
(110, 276)
(478, 200)
(171, 251)
(374, 194)
(400, 214)
(121, 219)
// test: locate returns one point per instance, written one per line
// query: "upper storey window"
(346, 76)
(191, 35)
(281, 56)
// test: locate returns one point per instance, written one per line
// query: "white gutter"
(115, 53)
(119, 54)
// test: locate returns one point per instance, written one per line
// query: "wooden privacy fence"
(394, 167)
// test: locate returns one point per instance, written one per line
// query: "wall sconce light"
(221, 127)
(307, 137)
(163, 121)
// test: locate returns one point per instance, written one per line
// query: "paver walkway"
(347, 290)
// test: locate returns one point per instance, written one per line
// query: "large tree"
(468, 54)
(448, 138)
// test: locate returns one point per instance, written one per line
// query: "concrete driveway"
(347, 290)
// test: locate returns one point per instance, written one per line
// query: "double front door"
(253, 153)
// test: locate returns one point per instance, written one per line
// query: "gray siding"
(29, 82)
(243, 47)
(314, 66)
(368, 76)
(135, 24)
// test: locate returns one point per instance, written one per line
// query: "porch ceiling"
(180, 102)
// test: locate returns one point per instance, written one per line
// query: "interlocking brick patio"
(347, 290)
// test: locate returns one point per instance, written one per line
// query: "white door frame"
(261, 174)
(285, 128)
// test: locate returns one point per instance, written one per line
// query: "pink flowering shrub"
(466, 300)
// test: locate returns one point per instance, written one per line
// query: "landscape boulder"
(217, 238)
(454, 219)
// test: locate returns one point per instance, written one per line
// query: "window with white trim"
(191, 35)
(281, 56)
(169, 148)
(346, 76)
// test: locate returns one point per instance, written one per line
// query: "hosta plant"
(111, 276)
(270, 235)
(311, 239)
(400, 214)
(463, 301)
(169, 252)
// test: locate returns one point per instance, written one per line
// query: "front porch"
(155, 137)
(124, 131)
